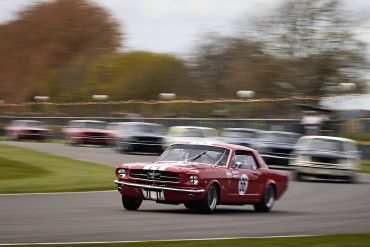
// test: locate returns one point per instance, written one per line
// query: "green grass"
(353, 240)
(12, 169)
(359, 137)
(24, 170)
(365, 166)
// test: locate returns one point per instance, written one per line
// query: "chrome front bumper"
(155, 187)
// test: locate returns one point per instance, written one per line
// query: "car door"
(245, 177)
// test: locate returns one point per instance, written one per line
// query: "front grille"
(96, 135)
(326, 160)
(149, 140)
(152, 175)
(281, 151)
(35, 131)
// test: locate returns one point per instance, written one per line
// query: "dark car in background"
(239, 136)
(27, 129)
(276, 147)
(138, 137)
(87, 132)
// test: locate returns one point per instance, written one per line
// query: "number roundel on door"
(243, 184)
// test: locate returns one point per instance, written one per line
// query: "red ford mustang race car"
(202, 176)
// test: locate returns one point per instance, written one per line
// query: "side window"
(245, 159)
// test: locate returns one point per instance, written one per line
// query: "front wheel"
(297, 176)
(209, 203)
(131, 203)
(267, 200)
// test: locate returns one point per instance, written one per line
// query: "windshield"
(196, 153)
(326, 145)
(35, 124)
(239, 134)
(278, 138)
(95, 125)
(143, 128)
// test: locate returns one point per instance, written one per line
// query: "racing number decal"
(243, 184)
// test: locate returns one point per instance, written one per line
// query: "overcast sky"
(176, 25)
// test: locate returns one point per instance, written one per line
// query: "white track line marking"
(56, 193)
(164, 240)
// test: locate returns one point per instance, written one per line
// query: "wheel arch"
(272, 183)
(218, 186)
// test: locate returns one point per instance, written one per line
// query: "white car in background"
(325, 157)
(194, 134)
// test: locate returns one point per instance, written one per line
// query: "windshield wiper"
(196, 156)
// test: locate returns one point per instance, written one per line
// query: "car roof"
(334, 138)
(280, 132)
(87, 121)
(137, 123)
(26, 120)
(222, 145)
(192, 127)
(240, 129)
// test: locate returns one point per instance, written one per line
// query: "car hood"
(182, 167)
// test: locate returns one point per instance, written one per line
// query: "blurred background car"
(113, 130)
(191, 134)
(276, 147)
(326, 157)
(87, 132)
(239, 136)
(27, 129)
(138, 137)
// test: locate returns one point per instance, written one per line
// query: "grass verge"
(353, 240)
(23, 170)
(365, 166)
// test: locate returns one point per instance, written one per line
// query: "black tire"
(131, 203)
(209, 203)
(353, 179)
(267, 200)
(126, 147)
(117, 146)
(297, 176)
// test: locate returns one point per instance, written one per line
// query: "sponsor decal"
(243, 184)
(235, 174)
(228, 174)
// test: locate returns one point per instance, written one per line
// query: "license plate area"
(155, 195)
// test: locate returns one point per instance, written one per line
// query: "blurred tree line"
(72, 49)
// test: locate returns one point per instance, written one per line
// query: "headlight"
(121, 173)
(194, 180)
(303, 158)
(350, 164)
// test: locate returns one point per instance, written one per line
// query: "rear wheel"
(131, 203)
(209, 203)
(267, 200)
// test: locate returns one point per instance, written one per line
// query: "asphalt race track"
(307, 208)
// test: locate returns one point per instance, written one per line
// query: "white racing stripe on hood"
(165, 166)
(147, 167)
